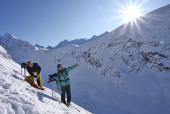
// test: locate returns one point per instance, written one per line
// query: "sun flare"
(130, 13)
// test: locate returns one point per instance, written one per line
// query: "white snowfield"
(18, 97)
(125, 71)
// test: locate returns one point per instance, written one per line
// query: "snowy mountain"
(72, 42)
(77, 42)
(18, 97)
(123, 71)
(39, 46)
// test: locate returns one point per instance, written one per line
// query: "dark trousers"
(65, 90)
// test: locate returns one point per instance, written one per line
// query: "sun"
(130, 12)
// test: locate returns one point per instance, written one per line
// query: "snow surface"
(72, 42)
(126, 71)
(18, 97)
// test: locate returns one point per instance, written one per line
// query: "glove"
(77, 65)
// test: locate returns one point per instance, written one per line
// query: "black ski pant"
(65, 90)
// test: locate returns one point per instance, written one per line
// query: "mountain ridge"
(129, 66)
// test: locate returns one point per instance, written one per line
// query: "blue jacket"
(62, 79)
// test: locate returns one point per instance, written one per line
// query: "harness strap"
(64, 80)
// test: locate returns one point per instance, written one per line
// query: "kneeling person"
(34, 70)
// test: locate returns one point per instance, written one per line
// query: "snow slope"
(126, 71)
(18, 97)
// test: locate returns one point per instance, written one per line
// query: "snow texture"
(18, 97)
(125, 71)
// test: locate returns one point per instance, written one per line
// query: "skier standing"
(63, 79)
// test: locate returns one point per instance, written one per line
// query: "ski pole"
(21, 70)
(53, 92)
(24, 72)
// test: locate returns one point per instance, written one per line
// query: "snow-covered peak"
(129, 66)
(11, 42)
(78, 42)
(160, 10)
(154, 26)
(72, 42)
(8, 35)
(39, 46)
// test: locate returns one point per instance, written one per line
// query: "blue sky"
(48, 22)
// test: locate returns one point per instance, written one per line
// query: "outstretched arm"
(72, 67)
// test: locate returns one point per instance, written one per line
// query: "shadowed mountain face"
(123, 71)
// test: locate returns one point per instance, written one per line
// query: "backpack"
(64, 72)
